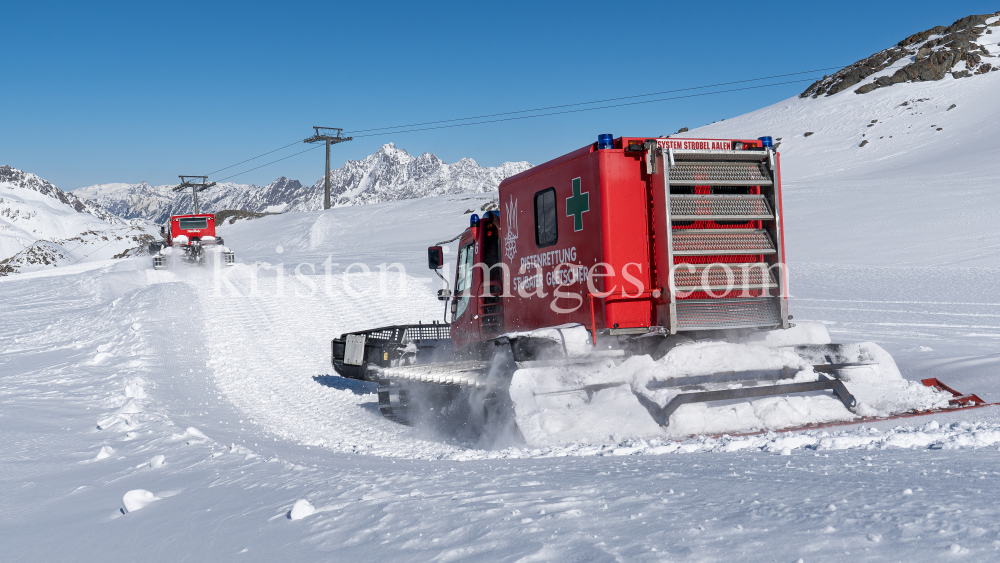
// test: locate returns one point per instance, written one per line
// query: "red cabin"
(194, 227)
(594, 236)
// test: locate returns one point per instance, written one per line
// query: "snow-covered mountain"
(392, 174)
(157, 203)
(961, 50)
(41, 225)
(388, 175)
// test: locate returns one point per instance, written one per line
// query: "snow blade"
(970, 400)
(662, 414)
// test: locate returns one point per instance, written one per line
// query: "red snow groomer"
(189, 239)
(632, 242)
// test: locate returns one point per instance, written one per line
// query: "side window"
(463, 281)
(546, 233)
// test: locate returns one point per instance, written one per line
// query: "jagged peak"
(429, 157)
(391, 148)
(466, 162)
(10, 174)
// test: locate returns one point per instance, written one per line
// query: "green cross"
(577, 204)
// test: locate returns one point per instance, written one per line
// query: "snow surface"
(236, 393)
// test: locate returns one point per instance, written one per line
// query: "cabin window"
(463, 281)
(185, 223)
(546, 233)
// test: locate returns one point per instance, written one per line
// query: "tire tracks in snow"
(266, 344)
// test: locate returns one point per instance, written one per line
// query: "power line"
(272, 162)
(588, 109)
(254, 158)
(537, 115)
(596, 101)
(512, 113)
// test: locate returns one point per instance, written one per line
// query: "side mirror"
(163, 231)
(444, 294)
(435, 257)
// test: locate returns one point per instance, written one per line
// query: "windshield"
(464, 281)
(186, 223)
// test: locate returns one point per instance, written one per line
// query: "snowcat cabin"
(592, 237)
(191, 228)
(477, 310)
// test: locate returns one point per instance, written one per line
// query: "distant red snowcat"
(189, 239)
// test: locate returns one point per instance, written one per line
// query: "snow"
(41, 226)
(137, 499)
(301, 509)
(388, 175)
(554, 407)
(231, 390)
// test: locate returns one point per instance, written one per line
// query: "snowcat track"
(470, 373)
(393, 402)
(443, 379)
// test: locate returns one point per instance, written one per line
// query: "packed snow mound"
(572, 403)
(301, 509)
(570, 339)
(963, 49)
(137, 499)
(390, 174)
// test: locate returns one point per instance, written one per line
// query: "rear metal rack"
(662, 414)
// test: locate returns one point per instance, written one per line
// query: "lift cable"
(254, 158)
(526, 111)
(312, 148)
(533, 116)
(586, 109)
(595, 101)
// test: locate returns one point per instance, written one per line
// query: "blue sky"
(138, 91)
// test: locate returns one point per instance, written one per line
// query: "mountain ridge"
(389, 174)
(929, 55)
(43, 226)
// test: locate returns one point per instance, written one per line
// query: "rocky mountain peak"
(963, 49)
(15, 178)
(390, 151)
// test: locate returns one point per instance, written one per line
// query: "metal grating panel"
(703, 314)
(719, 174)
(691, 242)
(713, 155)
(694, 207)
(752, 276)
(407, 333)
(427, 332)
